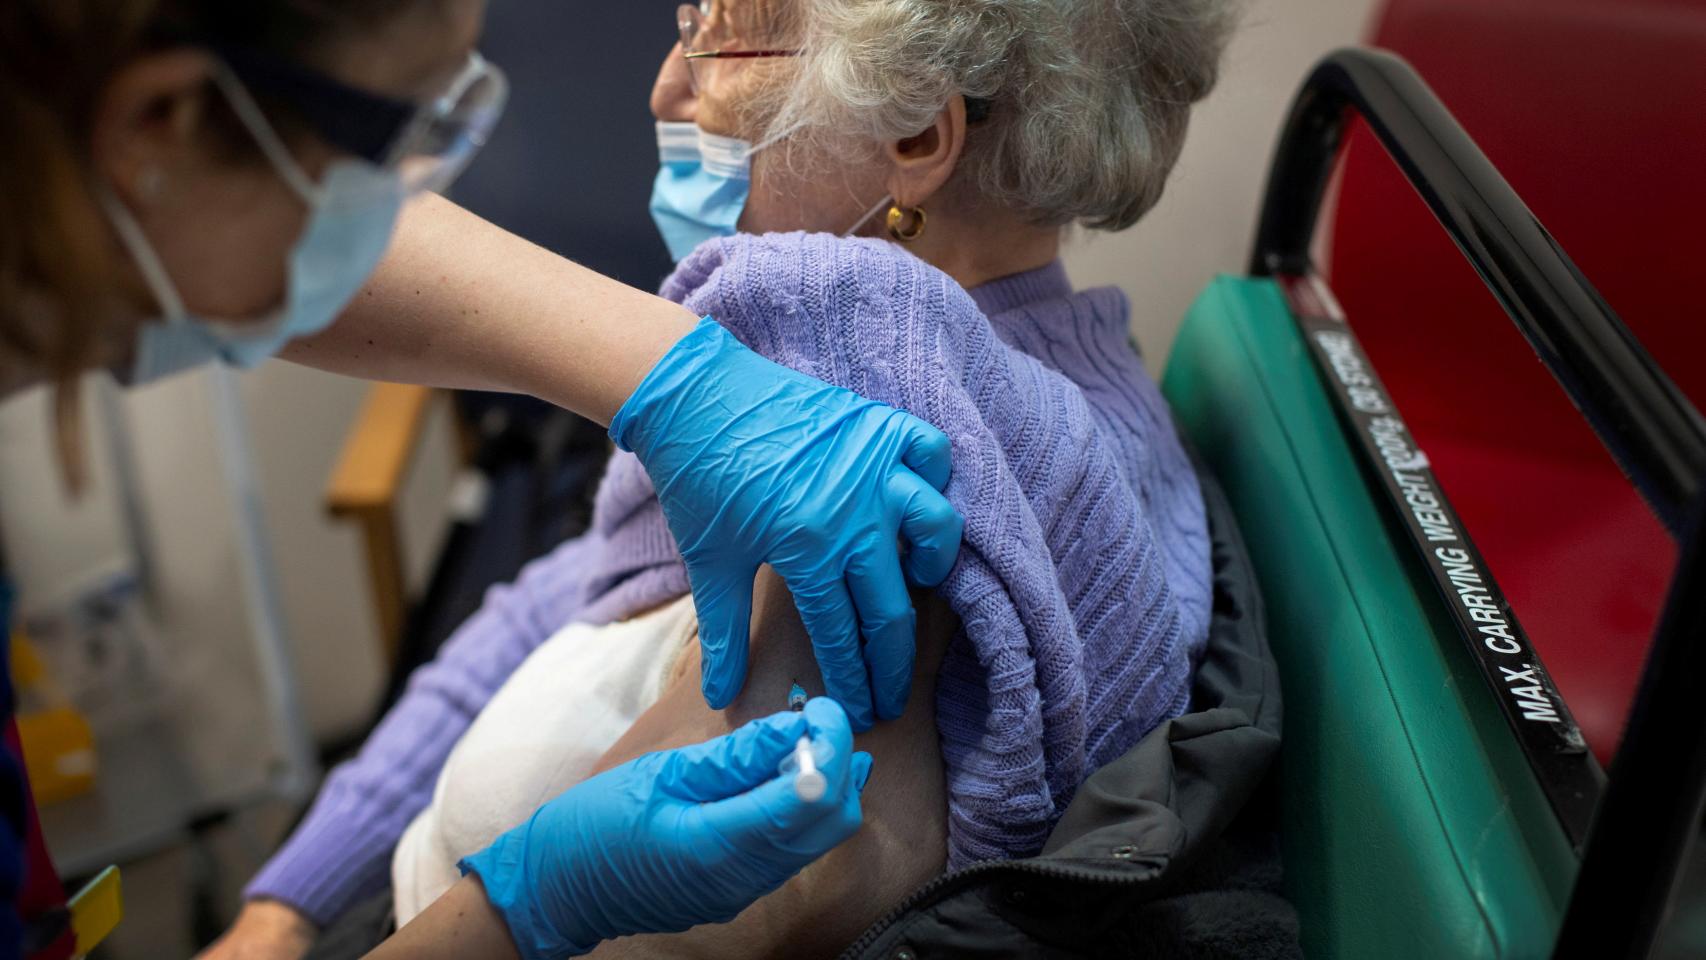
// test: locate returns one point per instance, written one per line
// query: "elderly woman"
(961, 137)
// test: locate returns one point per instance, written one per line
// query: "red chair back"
(1595, 111)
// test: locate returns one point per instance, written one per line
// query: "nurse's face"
(220, 217)
(739, 98)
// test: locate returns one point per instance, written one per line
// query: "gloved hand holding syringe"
(704, 830)
(803, 764)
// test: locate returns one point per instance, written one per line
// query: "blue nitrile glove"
(755, 463)
(673, 839)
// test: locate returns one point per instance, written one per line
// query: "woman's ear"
(922, 164)
(147, 125)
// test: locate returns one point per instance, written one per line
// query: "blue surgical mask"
(352, 212)
(702, 185)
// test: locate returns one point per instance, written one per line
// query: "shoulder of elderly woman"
(816, 267)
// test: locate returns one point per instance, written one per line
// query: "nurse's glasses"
(429, 144)
(690, 20)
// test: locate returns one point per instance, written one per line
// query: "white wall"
(298, 419)
(1206, 221)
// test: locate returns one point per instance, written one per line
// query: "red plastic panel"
(1595, 110)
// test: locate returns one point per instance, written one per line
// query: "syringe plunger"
(809, 783)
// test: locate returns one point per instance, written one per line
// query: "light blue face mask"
(702, 186)
(352, 211)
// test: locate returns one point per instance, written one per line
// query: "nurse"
(192, 181)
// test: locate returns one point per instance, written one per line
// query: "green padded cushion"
(1411, 824)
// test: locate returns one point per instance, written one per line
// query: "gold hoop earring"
(898, 216)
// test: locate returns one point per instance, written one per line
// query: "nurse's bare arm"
(903, 842)
(459, 302)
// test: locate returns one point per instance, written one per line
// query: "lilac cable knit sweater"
(1083, 585)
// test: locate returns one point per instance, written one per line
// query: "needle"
(809, 783)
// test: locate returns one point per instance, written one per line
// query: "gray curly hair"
(1088, 99)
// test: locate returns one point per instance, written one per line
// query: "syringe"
(809, 782)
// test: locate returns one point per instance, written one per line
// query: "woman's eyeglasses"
(690, 19)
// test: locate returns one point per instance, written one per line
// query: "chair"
(1595, 111)
(1436, 798)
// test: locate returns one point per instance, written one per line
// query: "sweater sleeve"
(341, 851)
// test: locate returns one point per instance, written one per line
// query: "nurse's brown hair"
(56, 57)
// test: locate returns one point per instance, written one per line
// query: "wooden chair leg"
(365, 487)
(385, 576)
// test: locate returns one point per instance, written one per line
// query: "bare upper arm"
(903, 842)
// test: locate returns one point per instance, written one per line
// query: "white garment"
(540, 734)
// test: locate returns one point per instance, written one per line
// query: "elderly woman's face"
(739, 97)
